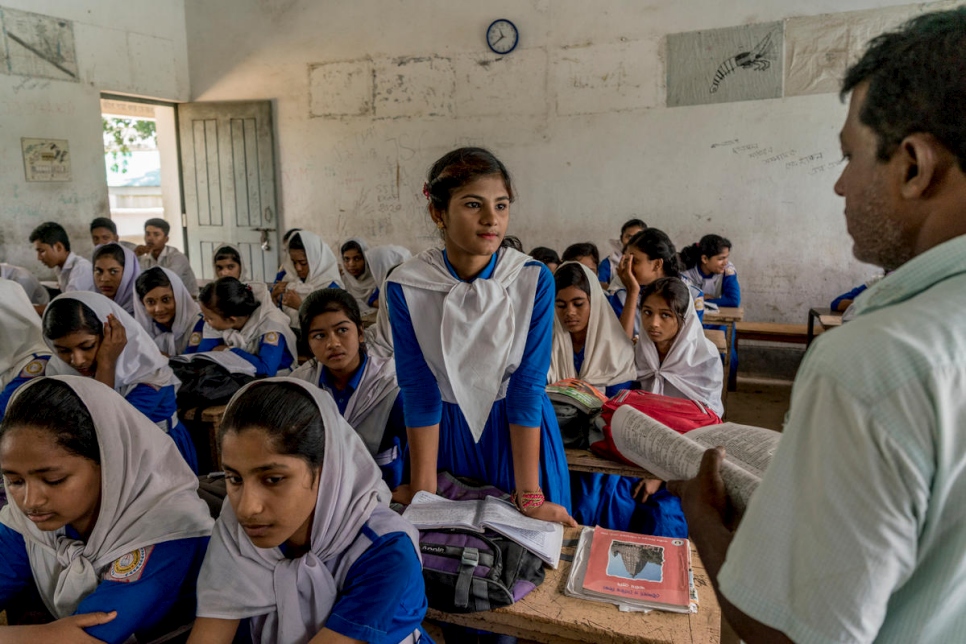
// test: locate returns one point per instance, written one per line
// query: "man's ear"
(920, 162)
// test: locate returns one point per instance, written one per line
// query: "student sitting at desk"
(547, 256)
(708, 267)
(74, 273)
(116, 270)
(92, 336)
(227, 262)
(23, 354)
(105, 519)
(358, 277)
(235, 321)
(104, 231)
(363, 386)
(307, 548)
(165, 310)
(309, 266)
(157, 252)
(584, 252)
(607, 273)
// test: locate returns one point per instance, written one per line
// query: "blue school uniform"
(158, 592)
(273, 354)
(851, 295)
(605, 271)
(34, 369)
(526, 402)
(391, 455)
(161, 407)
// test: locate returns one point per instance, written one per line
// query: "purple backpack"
(466, 571)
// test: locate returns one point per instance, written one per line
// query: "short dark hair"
(674, 291)
(512, 241)
(113, 250)
(50, 233)
(571, 275)
(460, 167)
(709, 246)
(288, 234)
(103, 222)
(295, 242)
(656, 244)
(545, 255)
(229, 298)
(917, 83)
(227, 252)
(328, 300)
(286, 413)
(149, 280)
(158, 223)
(352, 245)
(52, 406)
(583, 249)
(633, 223)
(64, 316)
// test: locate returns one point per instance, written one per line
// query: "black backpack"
(205, 383)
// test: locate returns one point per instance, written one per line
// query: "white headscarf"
(140, 361)
(361, 288)
(148, 496)
(126, 294)
(608, 352)
(186, 316)
(381, 260)
(477, 330)
(264, 319)
(21, 336)
(296, 596)
(692, 368)
(31, 285)
(323, 266)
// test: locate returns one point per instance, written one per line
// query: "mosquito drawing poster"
(725, 65)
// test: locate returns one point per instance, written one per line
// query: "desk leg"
(731, 382)
(810, 332)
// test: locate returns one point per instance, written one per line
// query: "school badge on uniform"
(194, 339)
(129, 567)
(33, 369)
(271, 338)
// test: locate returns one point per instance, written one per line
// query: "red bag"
(679, 414)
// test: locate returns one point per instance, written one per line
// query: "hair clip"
(426, 191)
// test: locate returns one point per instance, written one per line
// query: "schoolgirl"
(585, 252)
(473, 324)
(165, 309)
(363, 386)
(310, 265)
(707, 265)
(23, 354)
(306, 547)
(227, 262)
(105, 518)
(358, 278)
(116, 269)
(382, 261)
(94, 337)
(607, 273)
(546, 256)
(235, 321)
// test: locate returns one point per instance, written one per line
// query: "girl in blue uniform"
(92, 336)
(166, 310)
(310, 265)
(235, 321)
(105, 518)
(306, 549)
(585, 252)
(607, 273)
(116, 269)
(23, 354)
(227, 262)
(383, 260)
(473, 324)
(547, 256)
(359, 279)
(363, 386)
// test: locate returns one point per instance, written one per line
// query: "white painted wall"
(368, 94)
(133, 47)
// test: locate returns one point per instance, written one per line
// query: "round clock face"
(502, 36)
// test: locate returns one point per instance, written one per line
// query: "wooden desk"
(547, 615)
(210, 418)
(827, 318)
(583, 460)
(727, 316)
(720, 340)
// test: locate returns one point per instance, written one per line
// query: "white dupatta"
(21, 336)
(361, 288)
(323, 265)
(174, 341)
(608, 352)
(381, 260)
(692, 368)
(149, 495)
(126, 293)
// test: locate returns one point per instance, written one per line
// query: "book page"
(542, 538)
(752, 446)
(504, 513)
(429, 512)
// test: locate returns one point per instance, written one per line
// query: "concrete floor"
(759, 402)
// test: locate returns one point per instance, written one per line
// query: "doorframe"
(177, 129)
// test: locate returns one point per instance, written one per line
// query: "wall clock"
(502, 36)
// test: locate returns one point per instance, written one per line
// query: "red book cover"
(639, 568)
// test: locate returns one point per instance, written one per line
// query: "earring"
(440, 225)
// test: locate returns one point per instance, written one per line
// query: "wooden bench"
(772, 332)
(547, 615)
(583, 460)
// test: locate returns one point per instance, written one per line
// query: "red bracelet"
(528, 500)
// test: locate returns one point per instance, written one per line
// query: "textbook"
(634, 571)
(229, 360)
(542, 538)
(578, 393)
(670, 455)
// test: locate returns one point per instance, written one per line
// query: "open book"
(542, 538)
(232, 362)
(671, 455)
(578, 393)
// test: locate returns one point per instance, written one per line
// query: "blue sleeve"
(15, 572)
(142, 603)
(851, 295)
(527, 388)
(422, 401)
(207, 344)
(334, 285)
(616, 301)
(383, 599)
(8, 392)
(373, 297)
(603, 271)
(269, 358)
(730, 292)
(613, 390)
(149, 401)
(393, 447)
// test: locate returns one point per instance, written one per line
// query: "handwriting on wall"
(787, 158)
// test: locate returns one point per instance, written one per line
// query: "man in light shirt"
(857, 532)
(74, 273)
(156, 252)
(104, 231)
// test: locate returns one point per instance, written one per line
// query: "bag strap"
(468, 563)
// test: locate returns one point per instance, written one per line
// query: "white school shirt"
(177, 262)
(77, 274)
(857, 532)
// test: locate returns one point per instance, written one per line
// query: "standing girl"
(473, 324)
(105, 521)
(115, 271)
(92, 336)
(235, 321)
(23, 354)
(310, 265)
(363, 386)
(166, 310)
(359, 280)
(306, 548)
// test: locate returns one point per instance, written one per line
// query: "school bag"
(574, 425)
(466, 571)
(205, 383)
(679, 414)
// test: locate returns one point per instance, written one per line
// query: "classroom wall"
(368, 94)
(124, 46)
